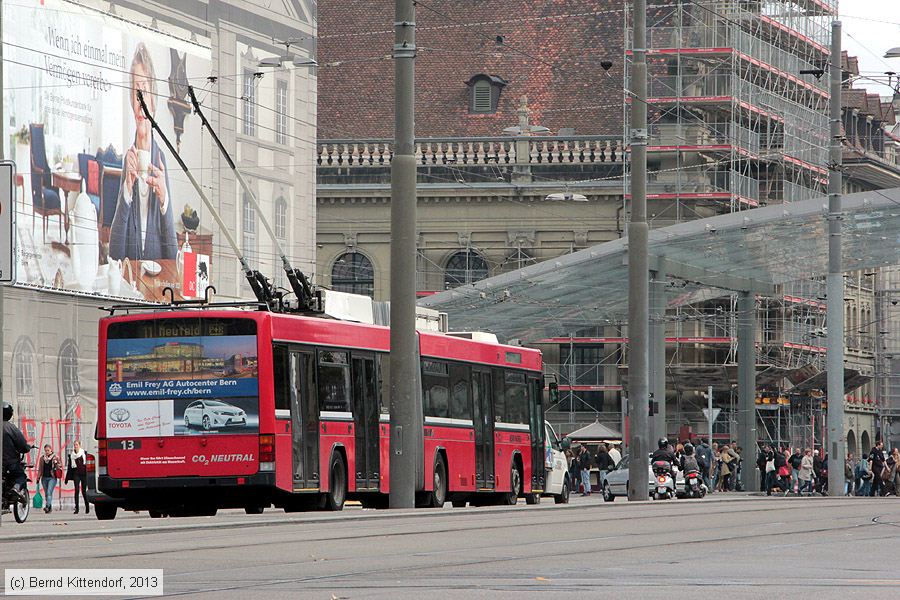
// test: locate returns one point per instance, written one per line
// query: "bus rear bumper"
(173, 492)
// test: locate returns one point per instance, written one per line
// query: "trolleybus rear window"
(181, 377)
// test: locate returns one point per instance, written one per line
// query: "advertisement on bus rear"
(190, 385)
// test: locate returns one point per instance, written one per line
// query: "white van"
(556, 468)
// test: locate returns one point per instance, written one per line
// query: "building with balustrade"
(734, 125)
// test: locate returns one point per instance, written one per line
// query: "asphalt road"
(726, 546)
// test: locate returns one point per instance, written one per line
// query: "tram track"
(379, 535)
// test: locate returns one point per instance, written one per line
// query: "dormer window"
(484, 93)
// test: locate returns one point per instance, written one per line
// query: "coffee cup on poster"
(143, 164)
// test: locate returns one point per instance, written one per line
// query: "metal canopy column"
(746, 339)
(836, 437)
(657, 350)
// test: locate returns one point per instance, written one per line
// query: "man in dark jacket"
(584, 461)
(603, 460)
(14, 445)
(761, 459)
(878, 460)
(795, 461)
(705, 459)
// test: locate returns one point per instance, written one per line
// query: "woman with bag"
(50, 468)
(76, 472)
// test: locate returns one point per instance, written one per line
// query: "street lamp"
(893, 53)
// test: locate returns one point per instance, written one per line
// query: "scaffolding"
(738, 107)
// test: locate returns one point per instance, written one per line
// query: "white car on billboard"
(212, 414)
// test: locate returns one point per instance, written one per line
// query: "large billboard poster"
(182, 386)
(101, 207)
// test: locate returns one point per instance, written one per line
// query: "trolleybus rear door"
(365, 419)
(483, 420)
(304, 420)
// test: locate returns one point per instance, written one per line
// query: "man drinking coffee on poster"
(143, 226)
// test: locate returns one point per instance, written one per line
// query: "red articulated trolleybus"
(209, 408)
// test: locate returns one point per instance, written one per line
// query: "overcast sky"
(871, 27)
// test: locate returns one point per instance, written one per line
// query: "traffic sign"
(715, 413)
(7, 222)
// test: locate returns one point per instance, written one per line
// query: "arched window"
(353, 273)
(69, 384)
(23, 365)
(464, 268)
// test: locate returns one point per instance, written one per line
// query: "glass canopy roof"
(752, 250)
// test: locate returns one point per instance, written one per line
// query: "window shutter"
(481, 97)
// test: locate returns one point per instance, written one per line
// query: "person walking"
(864, 476)
(893, 464)
(584, 463)
(849, 470)
(50, 468)
(704, 460)
(76, 472)
(795, 461)
(877, 463)
(761, 459)
(783, 469)
(806, 473)
(770, 470)
(574, 471)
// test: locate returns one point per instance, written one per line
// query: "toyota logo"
(119, 415)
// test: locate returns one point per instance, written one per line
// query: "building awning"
(595, 432)
(752, 250)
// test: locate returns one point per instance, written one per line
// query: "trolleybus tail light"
(126, 484)
(267, 452)
(102, 452)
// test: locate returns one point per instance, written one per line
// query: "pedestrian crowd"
(50, 472)
(805, 472)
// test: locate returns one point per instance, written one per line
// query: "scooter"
(665, 485)
(17, 500)
(693, 485)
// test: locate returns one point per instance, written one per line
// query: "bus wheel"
(105, 512)
(439, 495)
(254, 510)
(337, 484)
(515, 487)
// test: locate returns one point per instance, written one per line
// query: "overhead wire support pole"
(834, 283)
(406, 421)
(638, 264)
(299, 282)
(253, 277)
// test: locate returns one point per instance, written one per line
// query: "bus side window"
(460, 376)
(281, 372)
(384, 382)
(334, 381)
(516, 398)
(435, 388)
(499, 395)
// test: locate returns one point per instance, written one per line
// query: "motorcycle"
(16, 500)
(693, 485)
(665, 484)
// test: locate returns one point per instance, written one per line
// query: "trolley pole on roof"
(406, 428)
(638, 267)
(835, 284)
